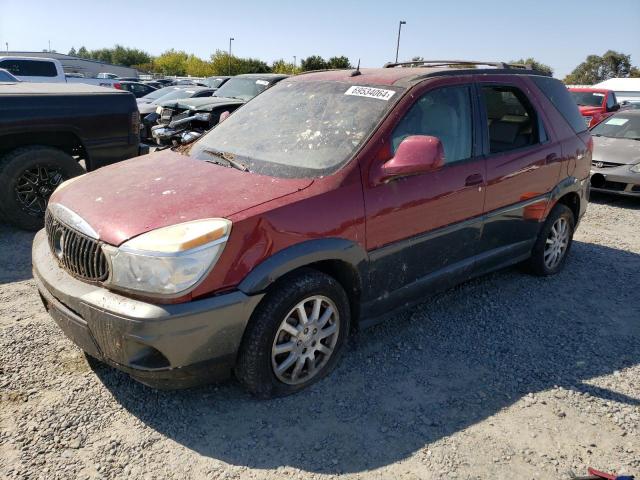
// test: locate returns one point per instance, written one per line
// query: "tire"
(32, 173)
(257, 358)
(537, 265)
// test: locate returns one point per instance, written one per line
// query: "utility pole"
(402, 22)
(49, 46)
(230, 39)
(7, 45)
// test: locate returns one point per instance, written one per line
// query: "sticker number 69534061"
(371, 92)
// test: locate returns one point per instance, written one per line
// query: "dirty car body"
(360, 192)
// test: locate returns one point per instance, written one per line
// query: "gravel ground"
(507, 376)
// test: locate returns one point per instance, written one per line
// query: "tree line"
(594, 69)
(180, 63)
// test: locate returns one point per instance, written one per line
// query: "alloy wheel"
(34, 187)
(556, 243)
(305, 340)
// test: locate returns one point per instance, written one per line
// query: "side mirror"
(416, 154)
(614, 108)
(223, 116)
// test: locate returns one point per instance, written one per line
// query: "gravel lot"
(507, 376)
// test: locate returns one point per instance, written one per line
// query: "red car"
(322, 205)
(595, 104)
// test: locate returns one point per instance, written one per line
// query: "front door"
(422, 225)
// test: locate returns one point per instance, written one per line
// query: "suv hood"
(616, 150)
(207, 103)
(129, 198)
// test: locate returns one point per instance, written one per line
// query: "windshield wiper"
(228, 158)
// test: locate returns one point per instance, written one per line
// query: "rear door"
(419, 226)
(523, 167)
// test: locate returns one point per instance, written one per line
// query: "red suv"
(324, 204)
(595, 104)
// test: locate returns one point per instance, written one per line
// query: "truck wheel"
(554, 242)
(28, 177)
(296, 335)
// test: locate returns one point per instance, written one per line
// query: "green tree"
(172, 62)
(598, 68)
(536, 65)
(222, 64)
(72, 52)
(129, 56)
(314, 62)
(339, 62)
(196, 67)
(83, 53)
(280, 66)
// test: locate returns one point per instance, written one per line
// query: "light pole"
(402, 22)
(294, 63)
(230, 39)
(7, 45)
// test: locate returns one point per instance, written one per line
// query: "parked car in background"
(616, 154)
(185, 82)
(325, 203)
(128, 79)
(182, 121)
(148, 108)
(5, 76)
(138, 89)
(215, 82)
(627, 90)
(595, 104)
(107, 75)
(153, 84)
(46, 70)
(46, 130)
(164, 81)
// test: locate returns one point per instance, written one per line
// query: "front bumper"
(617, 180)
(164, 346)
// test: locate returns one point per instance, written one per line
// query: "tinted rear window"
(30, 68)
(559, 96)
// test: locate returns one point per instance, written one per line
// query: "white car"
(46, 70)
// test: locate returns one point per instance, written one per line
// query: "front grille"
(78, 254)
(599, 164)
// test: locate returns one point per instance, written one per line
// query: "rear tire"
(28, 177)
(278, 335)
(554, 241)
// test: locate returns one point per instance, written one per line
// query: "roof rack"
(445, 63)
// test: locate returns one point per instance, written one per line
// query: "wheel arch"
(67, 141)
(342, 259)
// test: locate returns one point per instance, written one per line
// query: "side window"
(444, 113)
(559, 96)
(30, 68)
(611, 100)
(511, 120)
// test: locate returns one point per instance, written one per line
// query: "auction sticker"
(379, 93)
(616, 121)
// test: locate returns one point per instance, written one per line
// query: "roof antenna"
(357, 71)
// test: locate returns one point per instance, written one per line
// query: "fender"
(302, 254)
(569, 185)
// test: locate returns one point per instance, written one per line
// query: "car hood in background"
(132, 197)
(146, 108)
(616, 150)
(205, 103)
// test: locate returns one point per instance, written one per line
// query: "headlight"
(635, 168)
(202, 117)
(159, 110)
(169, 260)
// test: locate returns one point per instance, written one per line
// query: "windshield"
(299, 129)
(178, 93)
(243, 88)
(214, 82)
(160, 92)
(7, 77)
(588, 99)
(619, 126)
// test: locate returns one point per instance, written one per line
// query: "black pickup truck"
(46, 129)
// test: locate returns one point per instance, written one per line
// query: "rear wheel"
(296, 335)
(28, 177)
(554, 242)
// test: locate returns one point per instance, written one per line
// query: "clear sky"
(560, 33)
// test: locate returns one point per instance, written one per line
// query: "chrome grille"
(78, 254)
(599, 164)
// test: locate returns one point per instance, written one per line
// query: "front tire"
(554, 241)
(28, 177)
(296, 336)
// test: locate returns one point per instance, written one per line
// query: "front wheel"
(554, 242)
(296, 335)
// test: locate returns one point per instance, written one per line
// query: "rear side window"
(30, 68)
(511, 119)
(559, 96)
(444, 113)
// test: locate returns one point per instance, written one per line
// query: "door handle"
(475, 179)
